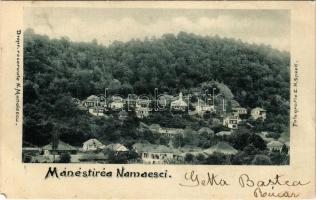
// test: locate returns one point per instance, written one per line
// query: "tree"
(217, 159)
(65, 158)
(261, 160)
(178, 141)
(284, 149)
(55, 70)
(200, 158)
(188, 157)
(121, 157)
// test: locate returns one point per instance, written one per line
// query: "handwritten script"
(261, 188)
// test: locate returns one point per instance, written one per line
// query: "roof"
(222, 133)
(147, 147)
(31, 148)
(143, 147)
(239, 108)
(117, 102)
(189, 149)
(179, 102)
(94, 142)
(232, 117)
(143, 125)
(92, 97)
(274, 144)
(259, 109)
(116, 147)
(154, 126)
(221, 147)
(62, 146)
(205, 129)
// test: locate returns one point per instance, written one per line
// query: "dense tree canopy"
(55, 70)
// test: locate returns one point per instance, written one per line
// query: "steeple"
(180, 96)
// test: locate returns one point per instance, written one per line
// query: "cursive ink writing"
(245, 180)
(195, 180)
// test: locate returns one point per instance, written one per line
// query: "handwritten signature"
(211, 180)
(262, 188)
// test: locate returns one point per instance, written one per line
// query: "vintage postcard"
(157, 100)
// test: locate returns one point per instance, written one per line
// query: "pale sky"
(107, 25)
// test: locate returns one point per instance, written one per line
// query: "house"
(92, 145)
(275, 145)
(201, 107)
(231, 121)
(257, 113)
(116, 147)
(117, 103)
(92, 101)
(179, 105)
(156, 154)
(221, 147)
(168, 132)
(223, 133)
(61, 148)
(240, 111)
(97, 111)
(142, 109)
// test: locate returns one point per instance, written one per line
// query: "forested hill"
(257, 75)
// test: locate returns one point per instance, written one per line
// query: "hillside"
(55, 70)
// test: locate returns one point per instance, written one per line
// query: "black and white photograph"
(156, 86)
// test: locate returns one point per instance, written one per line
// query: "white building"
(156, 154)
(92, 145)
(92, 101)
(168, 132)
(257, 113)
(240, 110)
(201, 107)
(142, 109)
(180, 104)
(275, 146)
(231, 121)
(97, 111)
(117, 147)
(117, 105)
